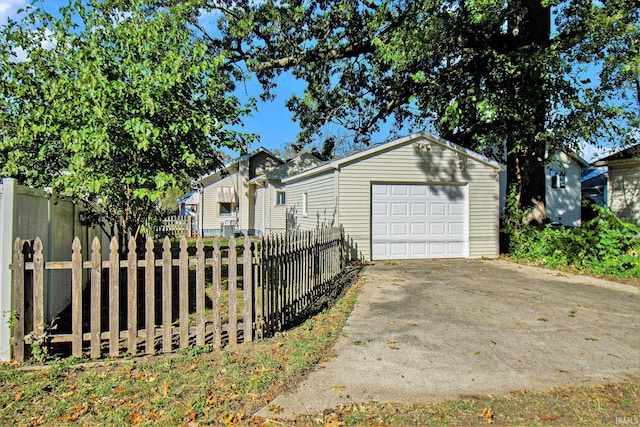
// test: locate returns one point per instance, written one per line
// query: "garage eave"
(380, 148)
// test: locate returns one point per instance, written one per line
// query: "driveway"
(435, 329)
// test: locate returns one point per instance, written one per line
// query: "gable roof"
(386, 146)
(631, 154)
(235, 162)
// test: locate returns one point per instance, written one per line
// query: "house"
(594, 185)
(624, 183)
(246, 195)
(188, 204)
(419, 196)
(563, 188)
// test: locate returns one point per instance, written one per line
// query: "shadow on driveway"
(434, 329)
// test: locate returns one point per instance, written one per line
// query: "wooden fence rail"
(137, 302)
(178, 226)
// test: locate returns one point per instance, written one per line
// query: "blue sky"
(272, 121)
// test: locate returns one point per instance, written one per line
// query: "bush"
(604, 245)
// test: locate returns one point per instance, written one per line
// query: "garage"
(410, 221)
(419, 196)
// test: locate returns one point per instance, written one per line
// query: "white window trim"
(305, 205)
(284, 197)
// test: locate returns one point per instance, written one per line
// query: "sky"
(272, 120)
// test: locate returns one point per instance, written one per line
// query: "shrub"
(604, 245)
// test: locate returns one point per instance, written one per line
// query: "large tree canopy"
(498, 77)
(113, 103)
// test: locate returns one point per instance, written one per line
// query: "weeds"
(603, 246)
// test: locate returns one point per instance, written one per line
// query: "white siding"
(321, 202)
(624, 192)
(211, 218)
(563, 204)
(408, 164)
(277, 214)
(259, 196)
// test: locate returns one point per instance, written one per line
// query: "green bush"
(604, 245)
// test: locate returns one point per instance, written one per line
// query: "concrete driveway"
(434, 329)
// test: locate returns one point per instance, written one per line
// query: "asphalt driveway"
(434, 329)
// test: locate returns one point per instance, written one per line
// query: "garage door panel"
(399, 249)
(437, 229)
(419, 229)
(419, 190)
(418, 248)
(456, 229)
(379, 209)
(457, 249)
(418, 221)
(437, 249)
(399, 229)
(399, 190)
(379, 229)
(418, 208)
(380, 190)
(438, 209)
(456, 209)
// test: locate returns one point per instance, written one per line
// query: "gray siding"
(29, 213)
(321, 202)
(412, 165)
(563, 204)
(624, 192)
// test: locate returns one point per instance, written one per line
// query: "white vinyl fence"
(28, 213)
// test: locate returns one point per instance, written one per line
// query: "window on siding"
(559, 180)
(281, 198)
(305, 206)
(225, 208)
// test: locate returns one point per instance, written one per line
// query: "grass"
(610, 404)
(210, 387)
(225, 387)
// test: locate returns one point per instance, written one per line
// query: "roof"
(236, 161)
(594, 178)
(385, 146)
(186, 197)
(298, 164)
(632, 153)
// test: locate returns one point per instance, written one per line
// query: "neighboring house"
(270, 197)
(415, 197)
(188, 204)
(594, 185)
(563, 190)
(246, 195)
(624, 183)
(563, 173)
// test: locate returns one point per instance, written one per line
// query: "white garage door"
(418, 221)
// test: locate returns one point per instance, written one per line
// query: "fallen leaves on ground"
(487, 415)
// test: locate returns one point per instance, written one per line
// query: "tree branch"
(312, 56)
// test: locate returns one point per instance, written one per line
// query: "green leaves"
(114, 102)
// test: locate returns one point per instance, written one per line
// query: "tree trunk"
(530, 30)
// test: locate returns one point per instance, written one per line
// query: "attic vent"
(226, 194)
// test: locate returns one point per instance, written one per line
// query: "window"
(305, 207)
(281, 198)
(225, 208)
(559, 180)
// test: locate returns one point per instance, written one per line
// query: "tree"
(490, 75)
(114, 103)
